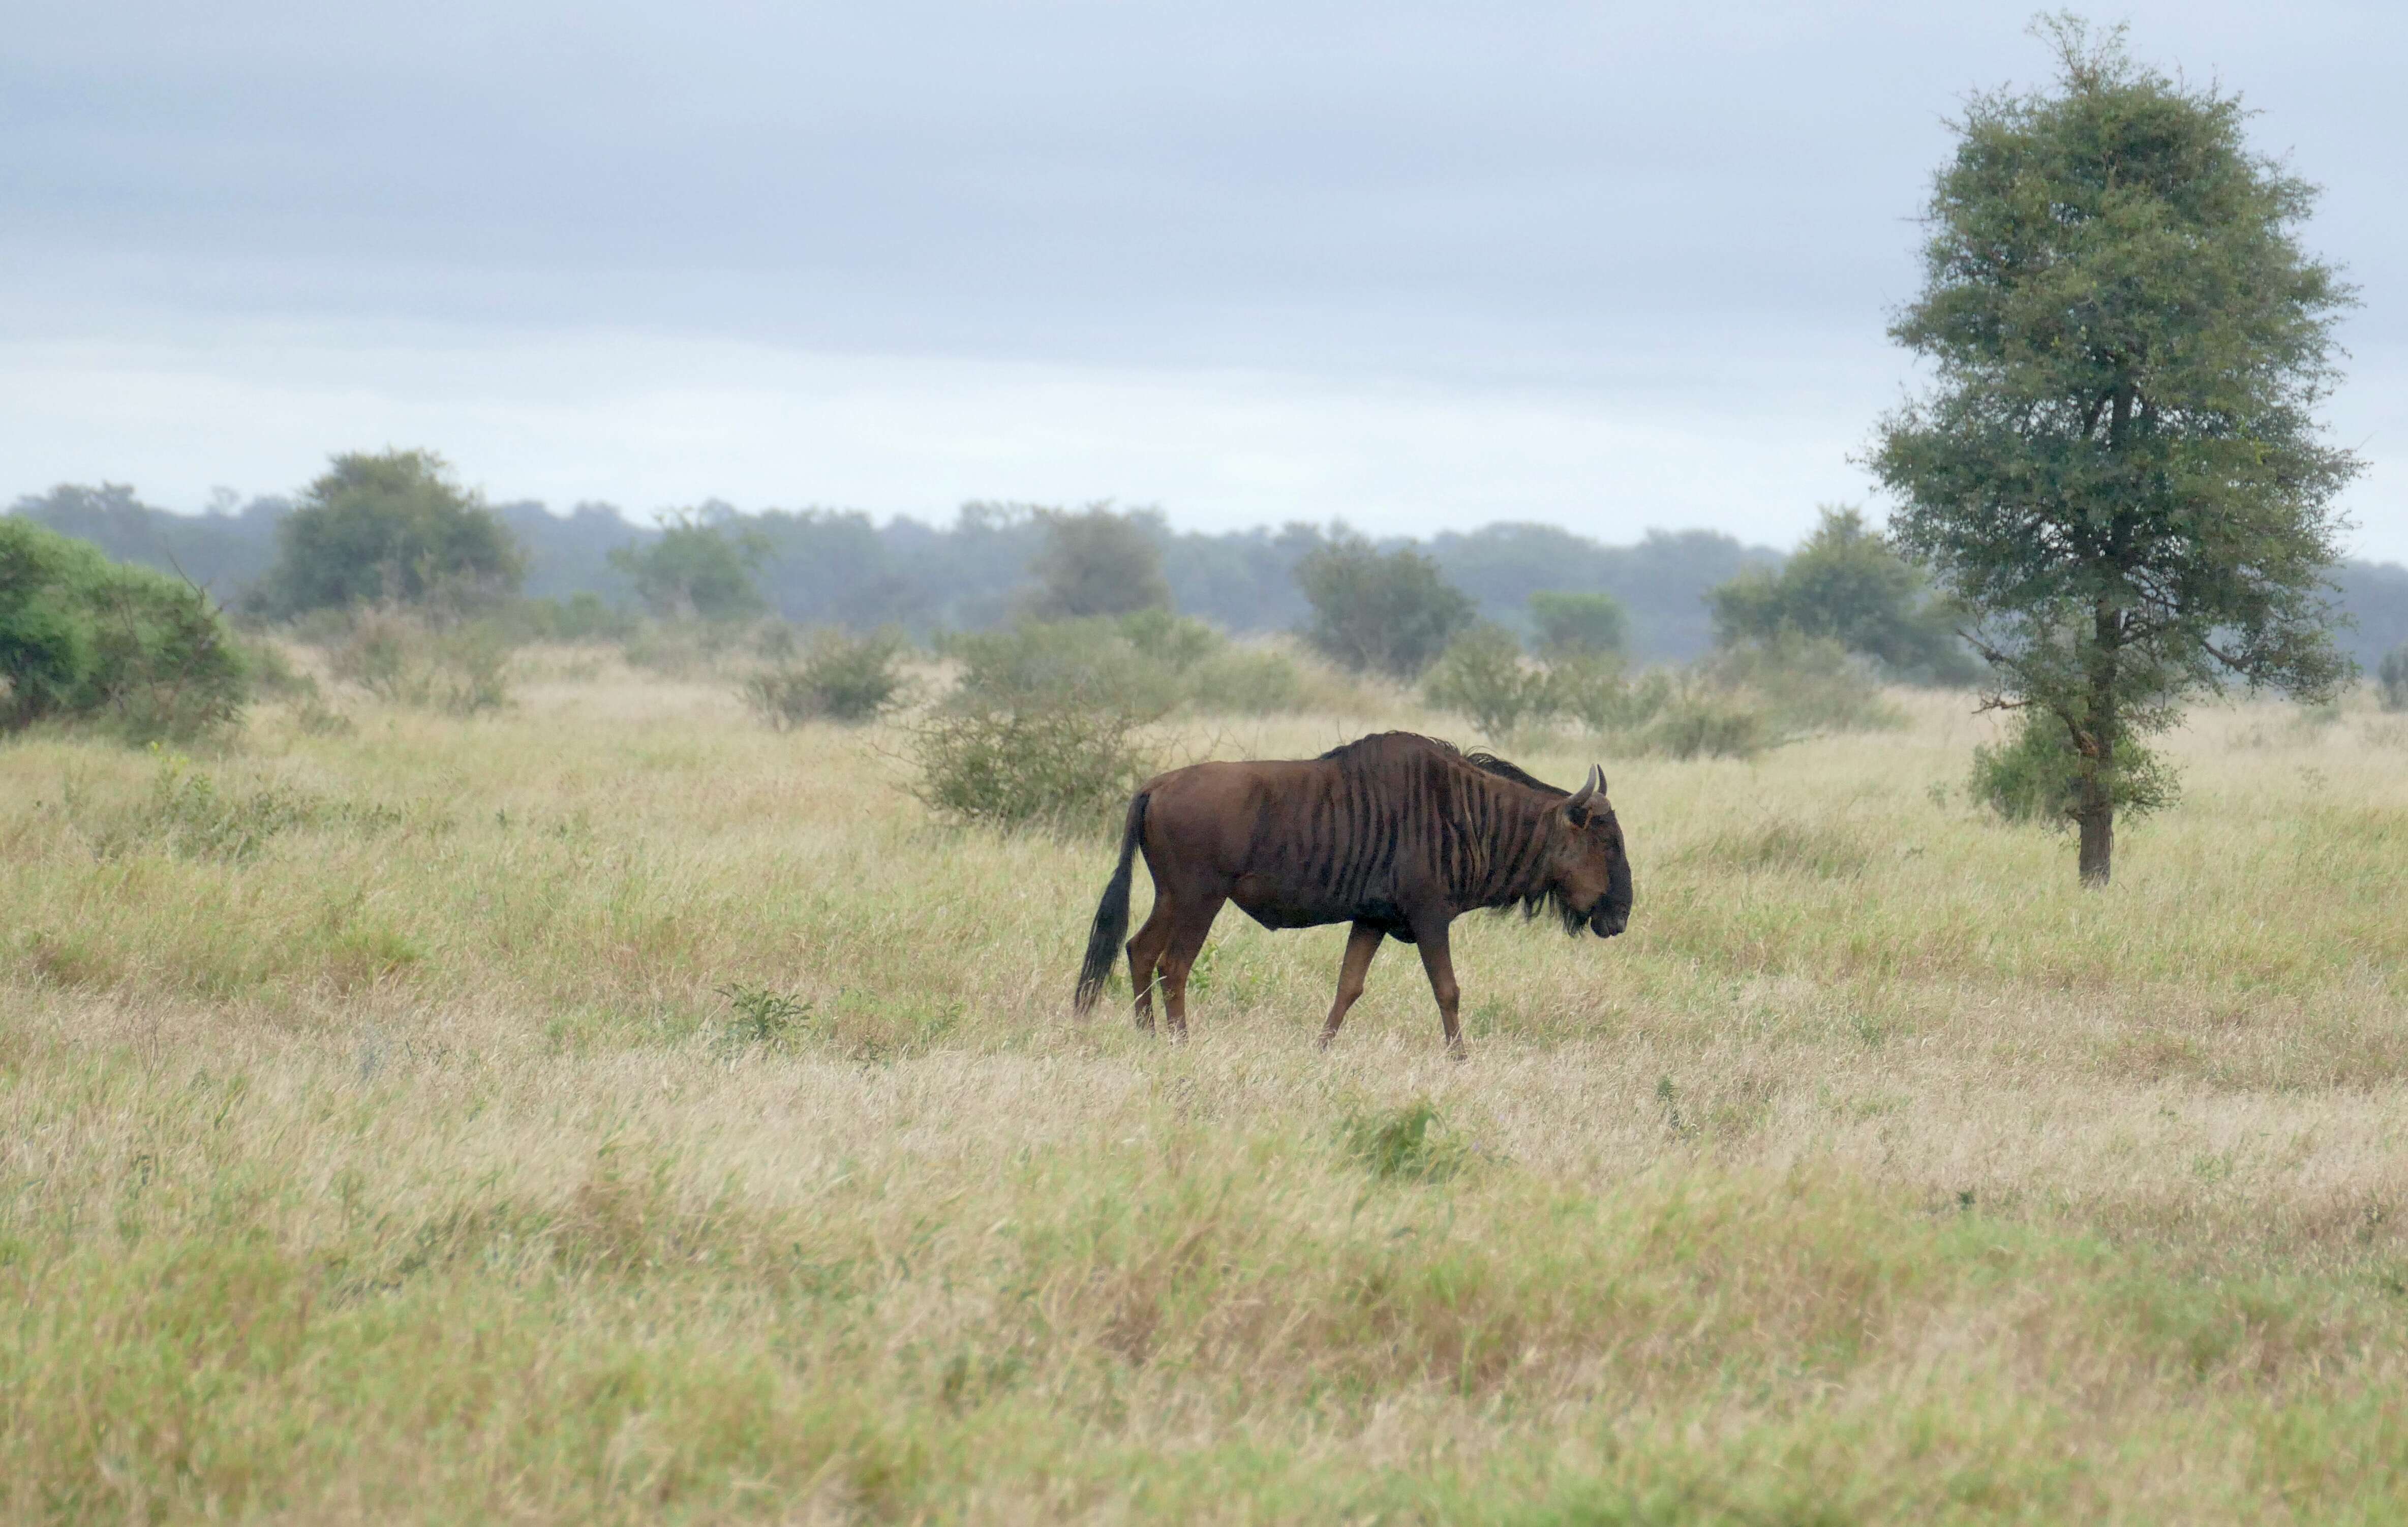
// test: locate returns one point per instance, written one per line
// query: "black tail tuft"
(1111, 915)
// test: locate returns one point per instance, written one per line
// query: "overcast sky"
(1420, 267)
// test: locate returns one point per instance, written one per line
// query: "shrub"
(1848, 585)
(403, 659)
(1566, 624)
(1482, 677)
(1805, 684)
(2391, 678)
(1697, 721)
(1148, 664)
(1052, 763)
(2033, 775)
(840, 678)
(1373, 611)
(1602, 694)
(83, 638)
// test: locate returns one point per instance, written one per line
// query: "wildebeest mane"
(1532, 904)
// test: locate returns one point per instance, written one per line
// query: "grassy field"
(612, 1111)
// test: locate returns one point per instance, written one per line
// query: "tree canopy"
(1097, 562)
(2117, 467)
(391, 526)
(698, 569)
(1386, 612)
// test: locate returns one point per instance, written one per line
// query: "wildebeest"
(1396, 834)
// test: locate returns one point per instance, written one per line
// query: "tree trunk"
(2097, 822)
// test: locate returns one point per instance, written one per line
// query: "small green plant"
(760, 1017)
(1481, 676)
(835, 677)
(1408, 1144)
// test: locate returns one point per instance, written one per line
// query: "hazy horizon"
(1411, 267)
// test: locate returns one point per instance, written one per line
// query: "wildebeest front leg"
(1361, 944)
(1440, 965)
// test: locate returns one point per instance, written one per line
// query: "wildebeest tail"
(1111, 914)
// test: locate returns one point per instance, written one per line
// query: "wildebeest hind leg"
(1188, 927)
(1361, 944)
(1145, 953)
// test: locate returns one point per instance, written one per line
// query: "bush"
(1602, 694)
(1697, 721)
(404, 660)
(83, 638)
(1805, 684)
(1847, 585)
(1148, 664)
(838, 677)
(1565, 624)
(1053, 762)
(1482, 677)
(2391, 678)
(390, 527)
(1379, 613)
(2034, 776)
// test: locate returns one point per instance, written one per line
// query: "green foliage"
(1805, 685)
(1846, 584)
(697, 569)
(836, 676)
(1147, 663)
(761, 1019)
(2118, 469)
(1578, 624)
(2035, 775)
(84, 638)
(1699, 720)
(1049, 761)
(1097, 562)
(399, 656)
(192, 815)
(1481, 676)
(2391, 678)
(582, 616)
(1373, 611)
(1408, 1144)
(392, 527)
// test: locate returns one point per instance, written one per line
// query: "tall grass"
(607, 1110)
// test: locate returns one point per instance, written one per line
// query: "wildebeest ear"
(1577, 807)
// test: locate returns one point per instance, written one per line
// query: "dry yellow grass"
(378, 1139)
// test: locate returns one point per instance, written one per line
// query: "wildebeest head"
(1591, 872)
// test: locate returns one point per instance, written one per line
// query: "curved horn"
(1579, 802)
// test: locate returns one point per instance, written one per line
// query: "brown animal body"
(1395, 833)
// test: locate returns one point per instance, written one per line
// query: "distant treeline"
(836, 566)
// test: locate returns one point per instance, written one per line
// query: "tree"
(2118, 469)
(696, 570)
(389, 525)
(1097, 562)
(1847, 583)
(1568, 624)
(1383, 611)
(85, 637)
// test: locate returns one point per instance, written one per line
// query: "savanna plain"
(612, 1109)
